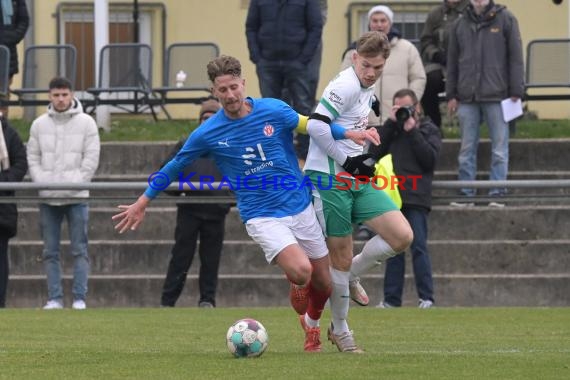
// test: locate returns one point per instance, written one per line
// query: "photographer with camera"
(414, 143)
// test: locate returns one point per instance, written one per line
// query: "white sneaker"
(425, 304)
(53, 305)
(79, 305)
(384, 305)
(357, 292)
(462, 204)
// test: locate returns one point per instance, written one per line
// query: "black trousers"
(4, 269)
(430, 100)
(188, 228)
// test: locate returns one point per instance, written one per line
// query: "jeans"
(188, 228)
(470, 117)
(51, 217)
(396, 266)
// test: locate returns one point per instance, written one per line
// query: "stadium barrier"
(525, 196)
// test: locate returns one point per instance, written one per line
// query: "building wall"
(223, 22)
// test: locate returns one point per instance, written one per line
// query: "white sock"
(310, 321)
(339, 300)
(374, 252)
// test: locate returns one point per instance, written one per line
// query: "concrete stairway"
(516, 256)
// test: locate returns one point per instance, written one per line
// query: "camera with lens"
(404, 113)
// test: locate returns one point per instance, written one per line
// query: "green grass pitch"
(189, 343)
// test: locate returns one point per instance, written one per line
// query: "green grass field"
(408, 343)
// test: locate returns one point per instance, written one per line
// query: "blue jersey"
(256, 157)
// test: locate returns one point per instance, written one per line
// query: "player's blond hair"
(372, 44)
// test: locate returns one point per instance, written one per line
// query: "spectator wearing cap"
(404, 67)
(197, 221)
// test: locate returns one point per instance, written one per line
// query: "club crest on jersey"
(268, 130)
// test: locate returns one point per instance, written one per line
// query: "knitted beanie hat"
(382, 9)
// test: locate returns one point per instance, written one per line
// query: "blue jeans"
(396, 266)
(51, 217)
(470, 117)
(276, 76)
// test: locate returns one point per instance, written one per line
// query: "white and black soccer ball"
(247, 338)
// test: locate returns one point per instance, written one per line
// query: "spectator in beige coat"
(404, 67)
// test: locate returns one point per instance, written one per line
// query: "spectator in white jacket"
(404, 67)
(63, 148)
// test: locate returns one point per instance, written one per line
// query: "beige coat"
(404, 69)
(63, 148)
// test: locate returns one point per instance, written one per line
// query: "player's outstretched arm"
(132, 215)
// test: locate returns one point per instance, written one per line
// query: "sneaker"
(496, 204)
(384, 305)
(344, 342)
(462, 204)
(357, 292)
(53, 305)
(425, 304)
(206, 304)
(312, 336)
(79, 305)
(299, 298)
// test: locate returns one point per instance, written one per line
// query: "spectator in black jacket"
(13, 168)
(414, 145)
(14, 21)
(283, 37)
(206, 220)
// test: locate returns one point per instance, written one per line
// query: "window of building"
(409, 18)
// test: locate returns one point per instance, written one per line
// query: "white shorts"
(274, 234)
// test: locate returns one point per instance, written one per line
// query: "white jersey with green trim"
(346, 103)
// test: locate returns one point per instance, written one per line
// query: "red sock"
(317, 300)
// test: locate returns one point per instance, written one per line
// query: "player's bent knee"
(342, 263)
(404, 240)
(300, 274)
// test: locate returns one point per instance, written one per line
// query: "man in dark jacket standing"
(414, 144)
(434, 40)
(14, 21)
(282, 37)
(203, 220)
(484, 66)
(13, 168)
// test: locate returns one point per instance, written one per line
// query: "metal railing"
(560, 185)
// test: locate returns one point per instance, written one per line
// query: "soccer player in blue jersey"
(253, 139)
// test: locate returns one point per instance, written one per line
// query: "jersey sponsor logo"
(334, 98)
(224, 143)
(268, 130)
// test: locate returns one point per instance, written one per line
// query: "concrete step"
(525, 155)
(446, 223)
(246, 257)
(272, 290)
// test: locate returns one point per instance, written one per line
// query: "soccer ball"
(247, 338)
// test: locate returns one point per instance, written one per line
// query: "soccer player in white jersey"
(347, 100)
(251, 141)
